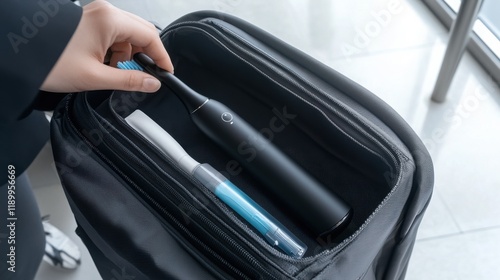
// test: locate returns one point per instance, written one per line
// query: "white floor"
(394, 48)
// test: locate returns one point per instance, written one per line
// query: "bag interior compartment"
(342, 166)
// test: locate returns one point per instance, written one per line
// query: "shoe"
(60, 251)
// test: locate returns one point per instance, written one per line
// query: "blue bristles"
(129, 65)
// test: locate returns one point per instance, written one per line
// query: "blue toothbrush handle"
(273, 231)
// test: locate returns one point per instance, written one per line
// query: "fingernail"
(151, 84)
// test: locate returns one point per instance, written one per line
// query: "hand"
(103, 26)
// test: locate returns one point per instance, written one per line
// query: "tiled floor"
(394, 48)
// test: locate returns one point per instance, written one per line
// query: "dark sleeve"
(34, 33)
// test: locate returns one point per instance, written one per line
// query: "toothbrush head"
(191, 99)
(129, 65)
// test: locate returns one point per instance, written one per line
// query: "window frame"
(479, 50)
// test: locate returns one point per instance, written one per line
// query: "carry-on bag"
(142, 216)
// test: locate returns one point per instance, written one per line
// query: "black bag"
(142, 218)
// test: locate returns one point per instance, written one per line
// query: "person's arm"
(34, 34)
(51, 49)
(104, 27)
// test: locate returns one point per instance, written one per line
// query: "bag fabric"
(142, 217)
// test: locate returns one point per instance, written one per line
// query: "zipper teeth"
(341, 106)
(261, 242)
(334, 101)
(163, 209)
(284, 76)
(178, 224)
(199, 214)
(189, 177)
(387, 151)
(221, 206)
(203, 217)
(320, 91)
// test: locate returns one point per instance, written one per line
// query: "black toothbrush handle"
(321, 210)
(191, 99)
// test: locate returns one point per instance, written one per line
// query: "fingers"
(120, 52)
(133, 29)
(107, 77)
(104, 27)
(144, 35)
(133, 34)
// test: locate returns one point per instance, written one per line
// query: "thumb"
(127, 80)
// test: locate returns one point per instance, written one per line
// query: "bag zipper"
(203, 26)
(387, 148)
(294, 82)
(220, 205)
(251, 263)
(273, 66)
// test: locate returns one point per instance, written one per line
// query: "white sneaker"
(60, 251)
